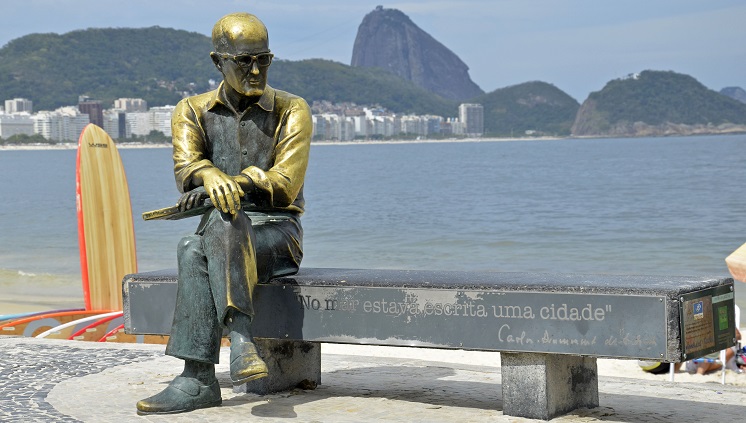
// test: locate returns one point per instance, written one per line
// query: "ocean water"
(661, 206)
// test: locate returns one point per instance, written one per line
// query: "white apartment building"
(155, 119)
(472, 116)
(375, 123)
(384, 126)
(160, 119)
(421, 125)
(456, 127)
(138, 123)
(332, 127)
(361, 126)
(130, 105)
(381, 123)
(15, 124)
(115, 124)
(63, 124)
(18, 105)
(413, 125)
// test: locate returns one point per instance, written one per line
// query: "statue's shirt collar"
(266, 101)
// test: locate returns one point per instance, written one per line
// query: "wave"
(18, 277)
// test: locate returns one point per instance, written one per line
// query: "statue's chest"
(237, 143)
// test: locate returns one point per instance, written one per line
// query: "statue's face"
(243, 58)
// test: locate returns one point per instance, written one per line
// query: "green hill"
(532, 106)
(155, 64)
(161, 65)
(657, 103)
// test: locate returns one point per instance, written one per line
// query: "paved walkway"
(65, 381)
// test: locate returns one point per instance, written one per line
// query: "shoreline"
(121, 146)
(135, 145)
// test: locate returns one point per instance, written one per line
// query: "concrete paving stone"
(64, 381)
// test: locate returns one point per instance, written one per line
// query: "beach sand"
(13, 303)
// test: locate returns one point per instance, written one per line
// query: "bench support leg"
(543, 386)
(291, 364)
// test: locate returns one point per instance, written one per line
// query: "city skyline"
(577, 45)
(131, 117)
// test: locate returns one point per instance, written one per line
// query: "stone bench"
(549, 328)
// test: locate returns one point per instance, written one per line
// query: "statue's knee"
(222, 223)
(189, 246)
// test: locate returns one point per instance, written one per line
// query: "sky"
(577, 45)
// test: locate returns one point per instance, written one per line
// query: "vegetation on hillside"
(162, 65)
(155, 64)
(655, 98)
(537, 107)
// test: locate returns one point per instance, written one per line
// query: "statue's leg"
(196, 330)
(246, 364)
(229, 242)
(279, 248)
(195, 337)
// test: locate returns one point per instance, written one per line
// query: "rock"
(388, 39)
(736, 93)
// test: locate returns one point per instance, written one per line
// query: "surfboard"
(106, 235)
(737, 263)
(64, 330)
(112, 333)
(95, 330)
(125, 338)
(34, 325)
(7, 318)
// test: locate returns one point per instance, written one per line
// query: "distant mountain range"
(162, 65)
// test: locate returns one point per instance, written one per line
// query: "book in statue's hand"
(173, 212)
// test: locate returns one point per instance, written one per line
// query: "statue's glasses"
(246, 61)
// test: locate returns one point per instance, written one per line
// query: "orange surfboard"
(94, 331)
(106, 235)
(34, 325)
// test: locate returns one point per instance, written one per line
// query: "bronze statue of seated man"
(245, 147)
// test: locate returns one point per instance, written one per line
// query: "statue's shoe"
(246, 365)
(182, 394)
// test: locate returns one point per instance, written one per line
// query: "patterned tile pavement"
(65, 381)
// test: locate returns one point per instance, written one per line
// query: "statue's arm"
(188, 146)
(282, 182)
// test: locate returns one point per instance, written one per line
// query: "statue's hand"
(192, 199)
(223, 190)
